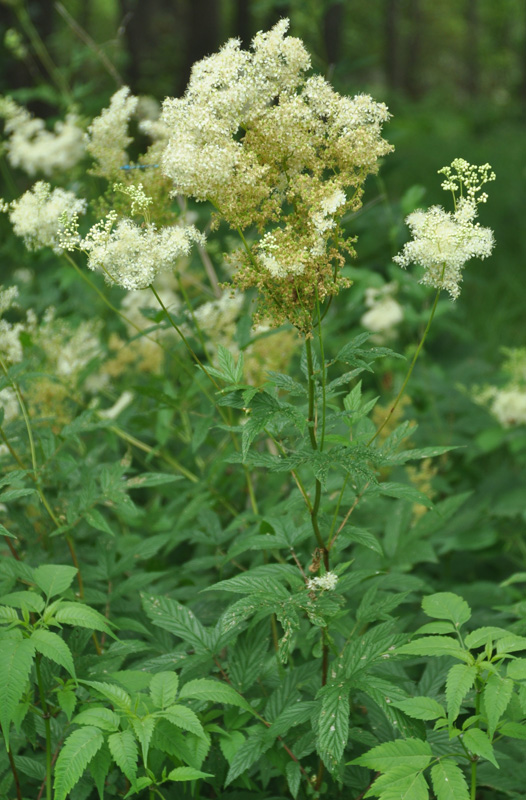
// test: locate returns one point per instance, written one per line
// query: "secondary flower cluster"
(33, 148)
(267, 146)
(508, 403)
(443, 241)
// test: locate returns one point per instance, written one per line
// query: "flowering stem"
(314, 445)
(410, 370)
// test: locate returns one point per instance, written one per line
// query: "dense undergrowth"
(241, 556)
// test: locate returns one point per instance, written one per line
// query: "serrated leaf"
(163, 688)
(400, 783)
(184, 718)
(99, 768)
(481, 636)
(459, 681)
(53, 647)
(30, 767)
(333, 725)
(16, 660)
(515, 730)
(293, 773)
(54, 579)
(83, 617)
(250, 584)
(8, 614)
(187, 774)
(99, 717)
(497, 695)
(29, 601)
(448, 781)
(404, 492)
(517, 669)
(125, 752)
(115, 694)
(144, 729)
(412, 753)
(96, 519)
(363, 537)
(5, 532)
(446, 605)
(247, 755)
(67, 701)
(421, 708)
(436, 627)
(434, 646)
(511, 644)
(75, 755)
(175, 618)
(478, 742)
(216, 692)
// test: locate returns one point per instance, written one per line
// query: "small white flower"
(327, 582)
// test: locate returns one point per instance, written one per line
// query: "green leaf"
(459, 681)
(30, 767)
(75, 755)
(434, 646)
(28, 601)
(511, 644)
(115, 694)
(404, 492)
(99, 717)
(83, 617)
(8, 614)
(517, 669)
(402, 782)
(5, 532)
(144, 731)
(448, 781)
(436, 627)
(247, 755)
(184, 718)
(293, 773)
(481, 636)
(478, 742)
(175, 618)
(515, 730)
(163, 688)
(497, 695)
(54, 578)
(99, 768)
(421, 708)
(412, 753)
(333, 725)
(216, 692)
(53, 647)
(16, 660)
(94, 518)
(187, 774)
(124, 750)
(152, 479)
(446, 605)
(67, 701)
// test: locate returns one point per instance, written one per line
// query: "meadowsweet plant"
(236, 521)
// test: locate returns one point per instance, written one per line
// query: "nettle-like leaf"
(124, 750)
(83, 616)
(54, 579)
(144, 729)
(333, 724)
(446, 605)
(250, 751)
(99, 717)
(75, 755)
(424, 708)
(112, 692)
(413, 753)
(497, 695)
(184, 718)
(187, 774)
(25, 601)
(479, 743)
(435, 646)
(460, 680)
(214, 691)
(16, 660)
(163, 688)
(53, 647)
(402, 782)
(179, 620)
(448, 781)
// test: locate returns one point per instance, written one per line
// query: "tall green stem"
(314, 444)
(47, 725)
(410, 370)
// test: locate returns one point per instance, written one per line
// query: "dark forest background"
(453, 73)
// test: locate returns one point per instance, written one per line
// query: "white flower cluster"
(327, 582)
(33, 148)
(10, 344)
(443, 242)
(508, 404)
(132, 255)
(37, 216)
(107, 137)
(384, 311)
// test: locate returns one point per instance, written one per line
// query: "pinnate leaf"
(75, 755)
(333, 725)
(409, 752)
(249, 752)
(82, 616)
(163, 688)
(54, 578)
(421, 708)
(216, 692)
(497, 695)
(402, 782)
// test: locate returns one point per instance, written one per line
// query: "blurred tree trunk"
(202, 18)
(413, 47)
(472, 48)
(522, 63)
(332, 31)
(392, 43)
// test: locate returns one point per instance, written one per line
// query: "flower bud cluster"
(326, 582)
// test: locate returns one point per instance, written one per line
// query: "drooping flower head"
(443, 241)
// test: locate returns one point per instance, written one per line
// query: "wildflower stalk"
(410, 370)
(47, 725)
(314, 445)
(15, 773)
